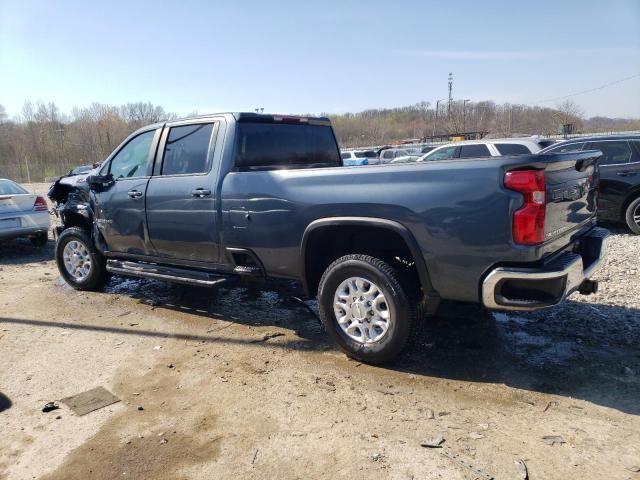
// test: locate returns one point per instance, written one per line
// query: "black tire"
(39, 239)
(401, 307)
(633, 210)
(97, 276)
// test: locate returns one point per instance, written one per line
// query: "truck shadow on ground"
(580, 350)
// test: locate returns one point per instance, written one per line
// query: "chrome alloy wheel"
(77, 260)
(361, 310)
(636, 215)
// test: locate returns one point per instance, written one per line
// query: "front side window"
(445, 153)
(613, 152)
(474, 151)
(512, 149)
(346, 156)
(134, 159)
(387, 154)
(187, 150)
(283, 145)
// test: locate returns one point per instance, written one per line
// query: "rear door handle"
(626, 173)
(134, 193)
(200, 192)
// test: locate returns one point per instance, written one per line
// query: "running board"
(168, 274)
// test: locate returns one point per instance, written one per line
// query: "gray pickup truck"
(223, 197)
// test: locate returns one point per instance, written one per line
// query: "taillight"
(40, 205)
(528, 220)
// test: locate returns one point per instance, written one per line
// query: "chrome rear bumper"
(510, 288)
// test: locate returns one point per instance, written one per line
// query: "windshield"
(7, 187)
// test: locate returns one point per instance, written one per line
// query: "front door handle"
(626, 173)
(200, 192)
(134, 193)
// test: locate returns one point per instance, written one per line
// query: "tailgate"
(571, 191)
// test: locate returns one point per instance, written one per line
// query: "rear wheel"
(79, 264)
(39, 239)
(365, 308)
(632, 216)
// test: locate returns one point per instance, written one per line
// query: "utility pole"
(464, 115)
(435, 118)
(450, 97)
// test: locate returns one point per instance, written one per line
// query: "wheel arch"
(315, 228)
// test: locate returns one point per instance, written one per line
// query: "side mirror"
(97, 182)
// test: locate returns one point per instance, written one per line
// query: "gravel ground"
(223, 397)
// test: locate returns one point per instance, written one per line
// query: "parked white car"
(22, 214)
(482, 148)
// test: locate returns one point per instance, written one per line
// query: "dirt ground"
(222, 397)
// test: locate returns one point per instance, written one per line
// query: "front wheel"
(365, 308)
(632, 216)
(79, 264)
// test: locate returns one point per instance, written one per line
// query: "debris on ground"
(163, 441)
(550, 404)
(476, 435)
(435, 442)
(50, 407)
(553, 440)
(465, 463)
(523, 473)
(140, 408)
(91, 400)
(430, 414)
(633, 468)
(268, 336)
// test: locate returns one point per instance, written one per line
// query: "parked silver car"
(22, 214)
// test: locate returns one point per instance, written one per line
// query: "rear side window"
(443, 154)
(366, 154)
(263, 146)
(187, 150)
(346, 156)
(7, 187)
(387, 154)
(512, 149)
(612, 152)
(572, 147)
(474, 151)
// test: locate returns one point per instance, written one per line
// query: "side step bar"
(168, 274)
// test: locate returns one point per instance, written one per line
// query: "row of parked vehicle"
(619, 165)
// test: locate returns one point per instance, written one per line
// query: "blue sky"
(318, 56)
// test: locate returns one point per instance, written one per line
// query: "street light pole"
(464, 115)
(435, 118)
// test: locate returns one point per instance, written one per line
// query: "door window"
(474, 151)
(613, 152)
(134, 159)
(187, 150)
(443, 154)
(572, 147)
(512, 149)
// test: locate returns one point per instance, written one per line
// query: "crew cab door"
(182, 203)
(119, 207)
(619, 173)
